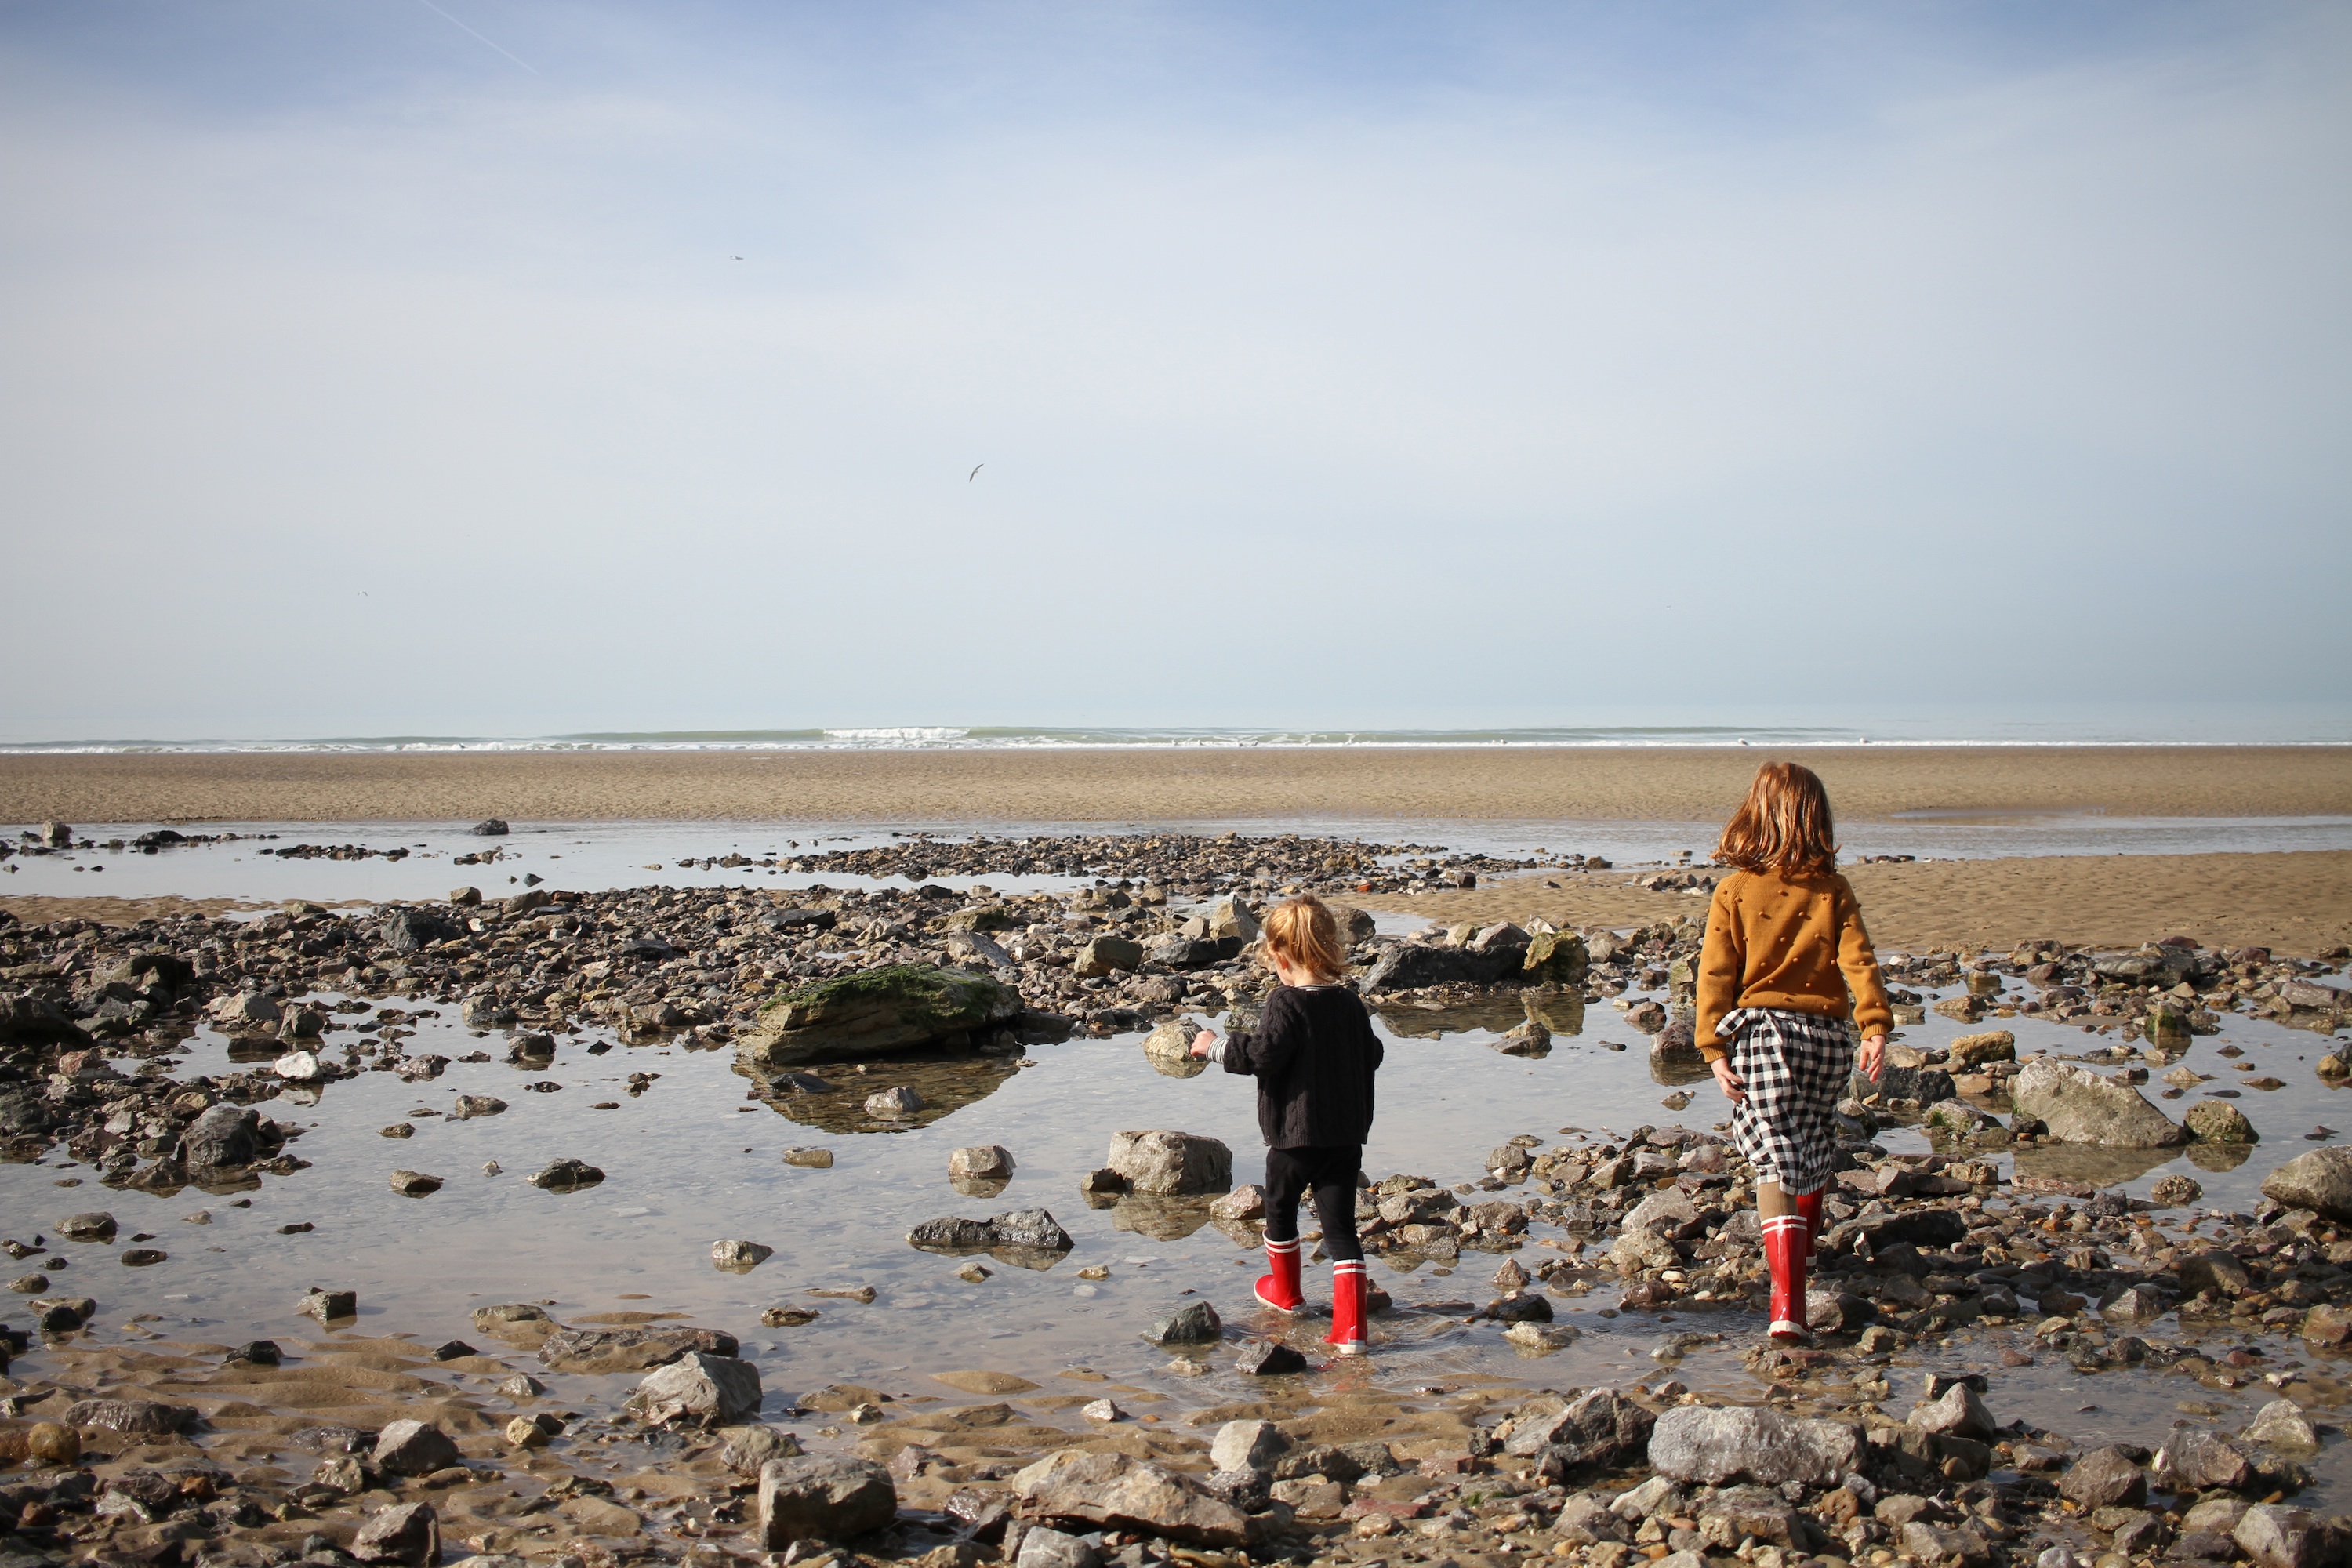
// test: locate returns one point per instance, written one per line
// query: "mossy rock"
(1557, 958)
(878, 1012)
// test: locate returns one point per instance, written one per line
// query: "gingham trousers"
(1795, 1067)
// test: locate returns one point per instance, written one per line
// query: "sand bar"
(2296, 903)
(1168, 785)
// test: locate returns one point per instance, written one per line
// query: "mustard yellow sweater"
(1795, 942)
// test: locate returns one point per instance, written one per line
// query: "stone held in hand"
(824, 1497)
(1168, 1049)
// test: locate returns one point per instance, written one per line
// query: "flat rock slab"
(629, 1350)
(1696, 1443)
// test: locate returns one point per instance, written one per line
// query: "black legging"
(1331, 1174)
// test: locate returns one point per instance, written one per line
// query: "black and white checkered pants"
(1795, 1067)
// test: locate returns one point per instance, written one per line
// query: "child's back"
(1314, 1054)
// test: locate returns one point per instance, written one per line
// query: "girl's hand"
(1729, 1082)
(1202, 1041)
(1873, 1056)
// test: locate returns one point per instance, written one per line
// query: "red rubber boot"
(1279, 1288)
(1788, 1246)
(1808, 1209)
(1346, 1335)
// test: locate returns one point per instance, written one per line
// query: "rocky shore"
(1874, 1448)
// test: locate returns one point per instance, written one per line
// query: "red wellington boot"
(1788, 1247)
(1808, 1209)
(1346, 1335)
(1279, 1288)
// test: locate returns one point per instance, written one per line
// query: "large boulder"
(2320, 1180)
(1712, 1445)
(2078, 1106)
(2276, 1537)
(823, 1496)
(874, 1012)
(1114, 1491)
(1570, 1432)
(1411, 966)
(1160, 1164)
(28, 1020)
(223, 1135)
(407, 930)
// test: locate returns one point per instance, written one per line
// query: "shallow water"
(596, 856)
(691, 1161)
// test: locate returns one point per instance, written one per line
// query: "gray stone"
(1958, 1413)
(144, 1417)
(747, 1450)
(1042, 1547)
(94, 1225)
(413, 1448)
(738, 1257)
(2078, 1106)
(981, 1163)
(1106, 955)
(414, 1184)
(1247, 1445)
(2104, 1477)
(2320, 1180)
(406, 1532)
(224, 1136)
(1564, 1433)
(2282, 1426)
(2194, 1460)
(1196, 1322)
(1168, 1049)
(567, 1176)
(1412, 965)
(2276, 1537)
(824, 1497)
(704, 1389)
(1696, 1443)
(1232, 920)
(1114, 1490)
(1268, 1358)
(2219, 1122)
(636, 1349)
(875, 1012)
(894, 1104)
(1161, 1163)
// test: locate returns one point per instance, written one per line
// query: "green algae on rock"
(874, 1012)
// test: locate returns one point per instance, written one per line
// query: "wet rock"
(91, 1226)
(2326, 1325)
(1567, 1433)
(408, 930)
(827, 1497)
(493, 828)
(1244, 1204)
(2320, 1180)
(810, 1158)
(405, 1534)
(747, 1450)
(1694, 1443)
(2195, 1460)
(244, 1010)
(1975, 1050)
(2276, 1537)
(2077, 1106)
(1960, 1413)
(894, 1104)
(739, 1257)
(410, 1447)
(2282, 1426)
(224, 1136)
(1196, 1322)
(1556, 958)
(2219, 1122)
(1268, 1358)
(1414, 965)
(2223, 1273)
(414, 1184)
(328, 1306)
(2134, 1304)
(566, 1175)
(1168, 1049)
(2174, 1192)
(983, 1163)
(1114, 1490)
(875, 1012)
(630, 1349)
(145, 1417)
(1106, 955)
(1017, 1232)
(706, 1390)
(509, 1319)
(468, 1106)
(1247, 1445)
(1167, 1165)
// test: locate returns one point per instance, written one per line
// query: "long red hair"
(1783, 825)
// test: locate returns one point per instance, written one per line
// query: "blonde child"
(1313, 1055)
(1786, 981)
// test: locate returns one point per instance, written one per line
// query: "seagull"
(975, 472)
(738, 258)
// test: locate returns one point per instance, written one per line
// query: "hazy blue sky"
(1343, 363)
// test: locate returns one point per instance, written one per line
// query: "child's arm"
(1871, 1017)
(1720, 962)
(1267, 1050)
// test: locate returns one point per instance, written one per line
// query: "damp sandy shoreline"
(1170, 785)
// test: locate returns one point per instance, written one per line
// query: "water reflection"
(945, 1082)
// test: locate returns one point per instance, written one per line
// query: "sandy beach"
(1168, 785)
(2297, 903)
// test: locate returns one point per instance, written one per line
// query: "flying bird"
(738, 258)
(975, 472)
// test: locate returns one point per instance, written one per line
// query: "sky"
(481, 367)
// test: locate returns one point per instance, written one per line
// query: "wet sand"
(1461, 785)
(2297, 903)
